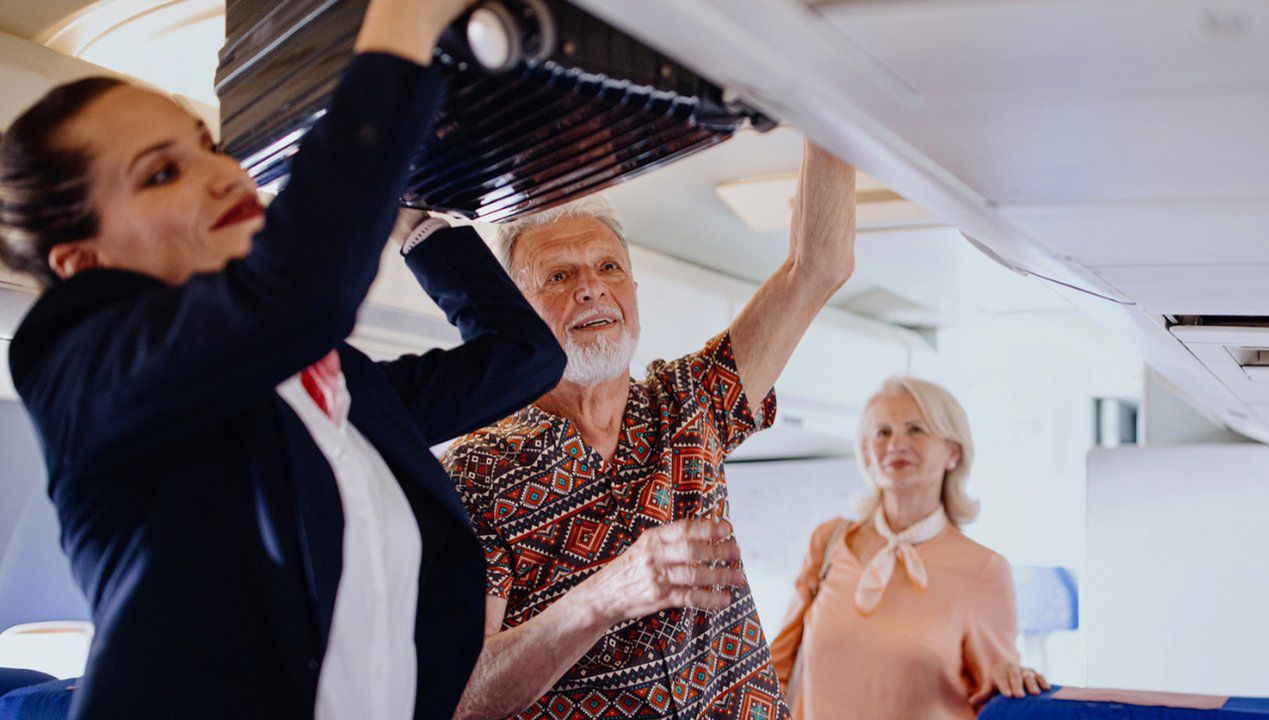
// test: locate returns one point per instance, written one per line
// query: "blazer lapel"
(319, 516)
(381, 417)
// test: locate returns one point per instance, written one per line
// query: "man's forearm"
(518, 666)
(821, 259)
(768, 329)
(675, 565)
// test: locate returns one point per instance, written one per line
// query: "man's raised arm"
(821, 260)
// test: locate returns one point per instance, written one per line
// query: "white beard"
(601, 360)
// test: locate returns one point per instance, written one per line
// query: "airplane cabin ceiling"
(1127, 135)
(1116, 148)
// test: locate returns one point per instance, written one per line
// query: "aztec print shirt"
(551, 512)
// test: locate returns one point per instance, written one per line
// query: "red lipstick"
(247, 208)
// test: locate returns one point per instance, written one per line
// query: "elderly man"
(614, 588)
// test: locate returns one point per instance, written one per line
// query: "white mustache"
(591, 313)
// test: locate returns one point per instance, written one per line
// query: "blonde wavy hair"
(947, 419)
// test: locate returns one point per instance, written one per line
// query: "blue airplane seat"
(49, 700)
(13, 678)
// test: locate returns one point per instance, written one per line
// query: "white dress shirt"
(370, 667)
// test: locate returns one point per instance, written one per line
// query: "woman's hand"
(407, 28)
(1011, 680)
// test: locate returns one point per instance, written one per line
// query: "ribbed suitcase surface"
(601, 108)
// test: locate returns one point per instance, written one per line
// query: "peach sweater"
(920, 655)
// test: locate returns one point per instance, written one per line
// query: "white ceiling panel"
(1195, 290)
(1262, 411)
(1059, 46)
(938, 269)
(1221, 231)
(1061, 148)
(172, 45)
(1071, 101)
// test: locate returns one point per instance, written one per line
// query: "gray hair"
(593, 206)
(948, 420)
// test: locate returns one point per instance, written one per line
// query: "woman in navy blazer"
(202, 521)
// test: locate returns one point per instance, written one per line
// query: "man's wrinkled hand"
(822, 240)
(690, 563)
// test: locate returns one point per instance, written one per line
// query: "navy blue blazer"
(201, 520)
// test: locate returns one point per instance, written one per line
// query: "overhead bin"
(545, 102)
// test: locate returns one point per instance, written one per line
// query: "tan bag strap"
(795, 674)
(839, 531)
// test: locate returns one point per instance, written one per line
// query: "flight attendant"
(248, 502)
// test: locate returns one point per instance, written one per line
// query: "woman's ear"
(71, 258)
(955, 458)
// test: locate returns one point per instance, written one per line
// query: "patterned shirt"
(551, 512)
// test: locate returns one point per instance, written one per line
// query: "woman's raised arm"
(407, 28)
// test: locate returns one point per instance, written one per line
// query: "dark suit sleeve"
(133, 374)
(508, 358)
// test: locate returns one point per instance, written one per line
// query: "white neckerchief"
(878, 571)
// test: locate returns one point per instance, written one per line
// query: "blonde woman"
(898, 615)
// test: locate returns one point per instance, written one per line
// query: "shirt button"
(312, 664)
